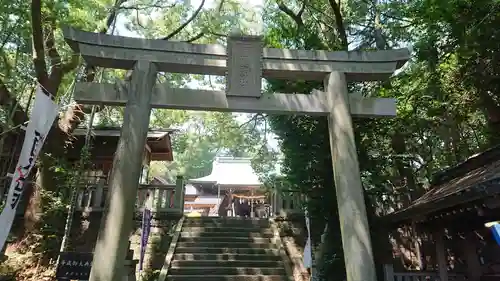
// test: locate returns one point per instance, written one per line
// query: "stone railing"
(391, 275)
(166, 198)
(287, 203)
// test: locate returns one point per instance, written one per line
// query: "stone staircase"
(230, 249)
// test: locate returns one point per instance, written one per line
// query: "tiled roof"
(231, 171)
(115, 132)
(466, 182)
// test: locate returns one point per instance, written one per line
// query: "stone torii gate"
(244, 63)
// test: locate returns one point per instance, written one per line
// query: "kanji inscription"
(244, 66)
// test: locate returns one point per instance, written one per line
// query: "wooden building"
(105, 140)
(450, 223)
(103, 146)
(232, 188)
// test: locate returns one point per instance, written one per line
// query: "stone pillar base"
(130, 267)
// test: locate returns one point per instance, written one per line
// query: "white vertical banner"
(307, 248)
(42, 117)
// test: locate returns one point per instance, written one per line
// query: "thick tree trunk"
(44, 180)
(409, 187)
(330, 256)
(60, 136)
(407, 178)
(492, 113)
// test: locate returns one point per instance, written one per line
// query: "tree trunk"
(60, 134)
(44, 180)
(404, 169)
(330, 257)
(492, 113)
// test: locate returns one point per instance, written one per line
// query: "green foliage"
(200, 137)
(149, 275)
(7, 271)
(447, 101)
(49, 228)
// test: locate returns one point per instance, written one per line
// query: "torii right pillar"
(356, 243)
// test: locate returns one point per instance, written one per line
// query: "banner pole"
(76, 188)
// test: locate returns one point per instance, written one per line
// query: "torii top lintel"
(120, 52)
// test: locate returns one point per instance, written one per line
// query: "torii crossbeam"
(244, 63)
(206, 100)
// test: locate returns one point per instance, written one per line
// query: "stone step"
(224, 270)
(215, 263)
(242, 226)
(227, 222)
(225, 239)
(227, 219)
(221, 232)
(227, 278)
(226, 228)
(227, 257)
(226, 250)
(208, 244)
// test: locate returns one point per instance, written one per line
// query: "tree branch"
(207, 31)
(56, 66)
(201, 34)
(74, 115)
(221, 4)
(302, 9)
(339, 22)
(322, 13)
(144, 6)
(256, 118)
(297, 18)
(196, 37)
(38, 43)
(112, 15)
(180, 28)
(90, 70)
(50, 44)
(72, 64)
(411, 22)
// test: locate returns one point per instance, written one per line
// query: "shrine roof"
(474, 179)
(189, 189)
(229, 171)
(158, 141)
(115, 132)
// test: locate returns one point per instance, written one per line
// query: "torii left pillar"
(112, 243)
